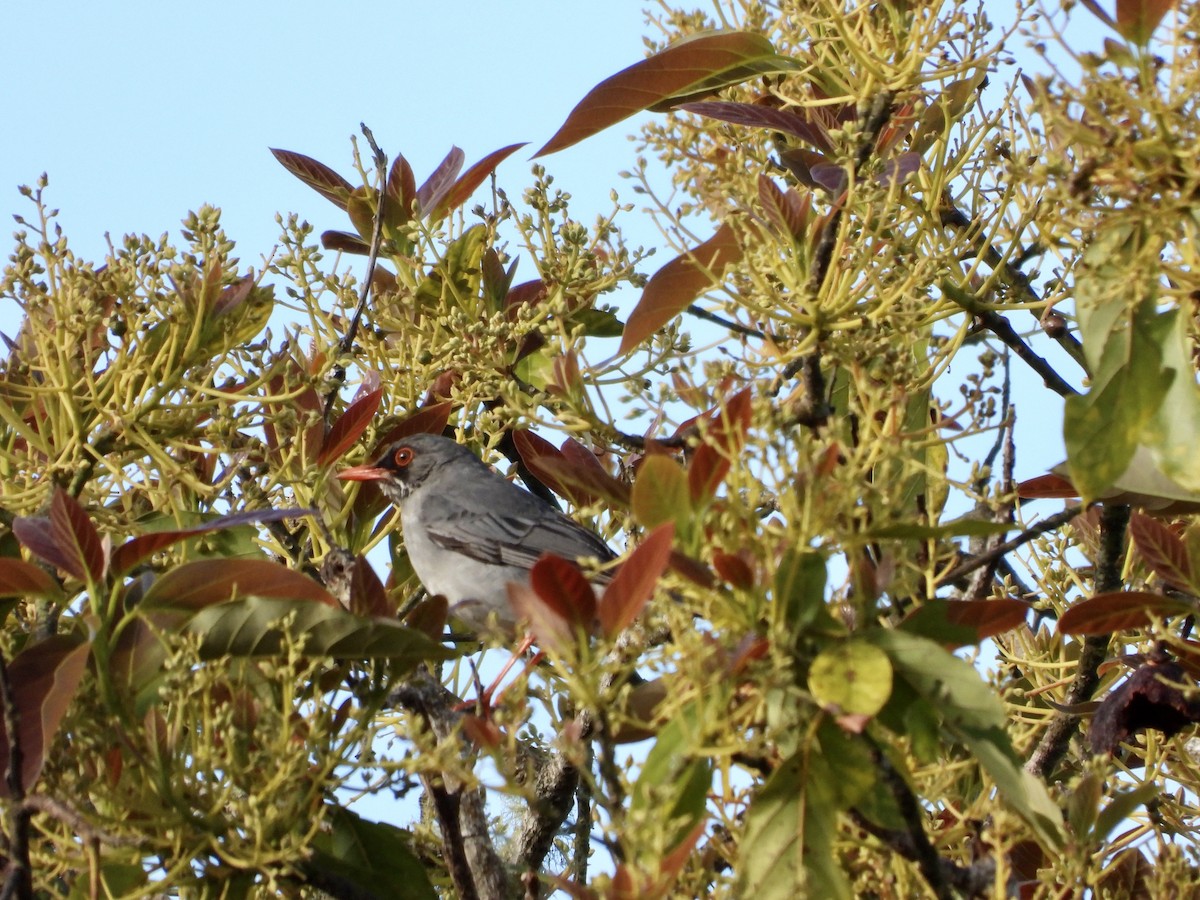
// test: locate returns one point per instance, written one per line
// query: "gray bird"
(469, 531)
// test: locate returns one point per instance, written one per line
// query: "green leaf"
(374, 857)
(787, 850)
(963, 527)
(800, 593)
(851, 677)
(673, 779)
(601, 323)
(660, 493)
(256, 627)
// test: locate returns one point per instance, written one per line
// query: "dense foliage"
(847, 654)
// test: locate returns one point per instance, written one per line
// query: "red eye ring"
(403, 457)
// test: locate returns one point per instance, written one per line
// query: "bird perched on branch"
(468, 530)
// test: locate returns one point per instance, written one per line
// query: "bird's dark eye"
(403, 457)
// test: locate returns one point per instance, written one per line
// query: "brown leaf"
(21, 579)
(318, 176)
(786, 210)
(673, 287)
(368, 597)
(429, 617)
(723, 440)
(67, 539)
(1106, 613)
(44, 677)
(629, 591)
(687, 69)
(1150, 698)
(205, 582)
(472, 178)
(344, 242)
(572, 472)
(349, 426)
(1137, 19)
(756, 115)
(401, 190)
(734, 570)
(139, 548)
(552, 630)
(427, 420)
(431, 193)
(563, 587)
(1163, 552)
(1046, 487)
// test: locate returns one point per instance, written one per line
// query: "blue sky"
(141, 111)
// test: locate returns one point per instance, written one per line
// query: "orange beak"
(364, 473)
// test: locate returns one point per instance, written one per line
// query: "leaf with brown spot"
(318, 176)
(1117, 611)
(627, 594)
(1163, 552)
(206, 582)
(673, 287)
(44, 677)
(690, 68)
(349, 426)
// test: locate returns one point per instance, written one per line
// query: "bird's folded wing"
(515, 540)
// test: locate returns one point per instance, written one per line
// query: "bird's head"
(406, 464)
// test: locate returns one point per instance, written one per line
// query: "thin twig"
(1048, 524)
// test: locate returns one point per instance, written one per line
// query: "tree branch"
(1114, 520)
(1048, 524)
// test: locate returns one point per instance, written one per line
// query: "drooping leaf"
(318, 176)
(757, 115)
(686, 70)
(627, 594)
(1120, 610)
(209, 582)
(256, 627)
(21, 579)
(660, 493)
(349, 426)
(44, 677)
(673, 287)
(374, 857)
(140, 548)
(572, 471)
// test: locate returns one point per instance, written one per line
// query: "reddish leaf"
(427, 420)
(206, 582)
(563, 587)
(21, 579)
(723, 441)
(44, 677)
(318, 176)
(672, 864)
(429, 617)
(756, 115)
(1163, 552)
(472, 178)
(787, 211)
(673, 287)
(734, 570)
(988, 617)
(552, 630)
(349, 426)
(67, 539)
(344, 242)
(1106, 613)
(137, 549)
(1046, 487)
(627, 594)
(1137, 19)
(368, 597)
(689, 68)
(483, 733)
(572, 472)
(692, 569)
(401, 190)
(431, 193)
